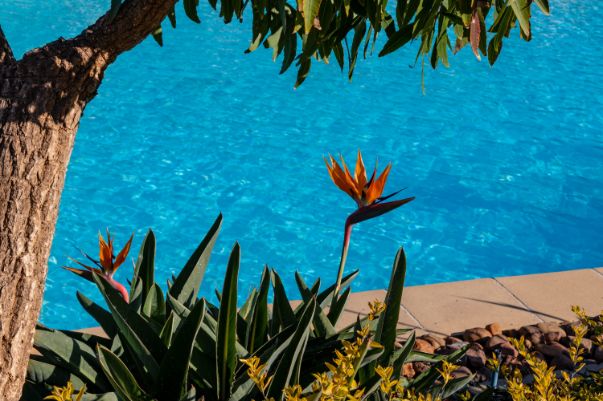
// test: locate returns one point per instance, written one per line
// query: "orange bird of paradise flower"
(368, 195)
(107, 264)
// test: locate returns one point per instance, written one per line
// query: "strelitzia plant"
(175, 346)
(107, 264)
(368, 195)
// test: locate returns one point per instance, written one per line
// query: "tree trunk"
(42, 97)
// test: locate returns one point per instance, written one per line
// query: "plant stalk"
(344, 256)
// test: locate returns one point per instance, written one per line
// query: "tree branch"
(135, 20)
(6, 53)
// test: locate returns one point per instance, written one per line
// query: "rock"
(552, 337)
(531, 333)
(424, 346)
(457, 346)
(420, 367)
(476, 358)
(508, 351)
(549, 327)
(495, 341)
(511, 333)
(563, 362)
(494, 328)
(539, 355)
(435, 341)
(476, 334)
(552, 350)
(462, 371)
(408, 370)
(594, 367)
(598, 354)
(453, 340)
(586, 343)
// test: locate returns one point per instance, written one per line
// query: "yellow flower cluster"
(65, 393)
(546, 385)
(255, 371)
(375, 309)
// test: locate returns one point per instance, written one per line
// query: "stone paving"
(511, 301)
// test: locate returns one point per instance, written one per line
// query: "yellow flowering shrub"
(66, 393)
(547, 385)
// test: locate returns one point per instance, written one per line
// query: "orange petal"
(360, 173)
(351, 181)
(376, 187)
(105, 253)
(121, 257)
(339, 177)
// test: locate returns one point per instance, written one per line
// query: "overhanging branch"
(135, 20)
(6, 53)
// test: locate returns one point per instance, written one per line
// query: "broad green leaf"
(186, 286)
(288, 369)
(40, 371)
(120, 376)
(168, 329)
(282, 313)
(226, 351)
(144, 269)
(173, 372)
(98, 313)
(154, 305)
(73, 355)
(388, 321)
(138, 335)
(257, 329)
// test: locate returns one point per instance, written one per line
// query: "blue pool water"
(505, 162)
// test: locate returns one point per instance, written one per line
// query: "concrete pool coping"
(512, 302)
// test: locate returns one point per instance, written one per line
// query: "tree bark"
(42, 98)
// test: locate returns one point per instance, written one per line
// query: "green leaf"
(41, 371)
(190, 9)
(158, 35)
(388, 321)
(168, 330)
(311, 8)
(288, 369)
(226, 352)
(173, 372)
(138, 335)
(521, 8)
(359, 31)
(326, 295)
(282, 313)
(144, 270)
(98, 313)
(172, 16)
(257, 330)
(154, 305)
(186, 285)
(71, 354)
(115, 5)
(543, 5)
(338, 306)
(119, 375)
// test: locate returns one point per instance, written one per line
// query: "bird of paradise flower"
(367, 193)
(107, 264)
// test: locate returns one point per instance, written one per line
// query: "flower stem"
(344, 256)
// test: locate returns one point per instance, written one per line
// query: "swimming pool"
(505, 162)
